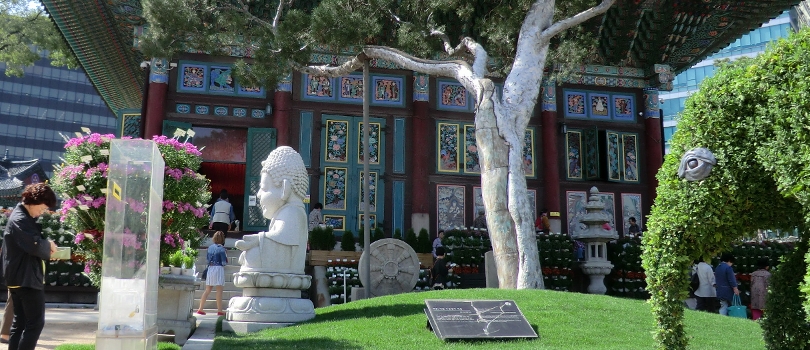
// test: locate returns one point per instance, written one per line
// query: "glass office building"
(688, 81)
(47, 101)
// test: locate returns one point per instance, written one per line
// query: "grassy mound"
(161, 346)
(564, 321)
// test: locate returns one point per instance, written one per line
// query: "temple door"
(342, 167)
(260, 142)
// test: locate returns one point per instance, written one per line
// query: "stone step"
(226, 294)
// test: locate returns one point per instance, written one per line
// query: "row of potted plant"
(180, 262)
(340, 272)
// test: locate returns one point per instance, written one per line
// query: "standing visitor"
(222, 213)
(633, 230)
(217, 259)
(315, 216)
(760, 280)
(480, 221)
(726, 282)
(542, 223)
(705, 293)
(437, 242)
(438, 273)
(24, 252)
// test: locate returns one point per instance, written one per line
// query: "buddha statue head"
(284, 181)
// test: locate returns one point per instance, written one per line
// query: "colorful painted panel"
(613, 150)
(631, 207)
(471, 161)
(337, 134)
(599, 107)
(372, 189)
(220, 80)
(257, 113)
(199, 109)
(448, 148)
(184, 108)
(387, 90)
(421, 90)
(573, 160)
(317, 88)
(452, 96)
(528, 153)
(630, 156)
(610, 207)
(351, 89)
(192, 78)
(576, 201)
(251, 91)
(334, 189)
(373, 143)
(239, 112)
(338, 222)
(372, 222)
(591, 153)
(575, 104)
(449, 206)
(623, 108)
(220, 110)
(478, 201)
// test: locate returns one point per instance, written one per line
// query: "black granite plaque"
(477, 319)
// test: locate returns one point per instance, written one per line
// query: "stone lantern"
(592, 232)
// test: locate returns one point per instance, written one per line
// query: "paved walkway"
(77, 325)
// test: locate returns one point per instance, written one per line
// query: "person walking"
(222, 213)
(760, 280)
(217, 260)
(24, 252)
(726, 282)
(705, 294)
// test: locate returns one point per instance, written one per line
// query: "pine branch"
(569, 22)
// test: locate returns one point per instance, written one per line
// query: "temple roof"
(13, 174)
(633, 33)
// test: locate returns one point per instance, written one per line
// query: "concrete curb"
(203, 337)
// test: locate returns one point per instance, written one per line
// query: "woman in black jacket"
(24, 252)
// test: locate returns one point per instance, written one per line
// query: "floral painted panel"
(250, 90)
(471, 161)
(573, 146)
(528, 153)
(220, 80)
(613, 156)
(193, 77)
(449, 206)
(337, 135)
(623, 108)
(610, 207)
(338, 222)
(373, 143)
(351, 88)
(372, 222)
(334, 189)
(372, 189)
(317, 87)
(387, 90)
(576, 201)
(599, 106)
(575, 104)
(630, 156)
(452, 96)
(631, 207)
(591, 153)
(448, 147)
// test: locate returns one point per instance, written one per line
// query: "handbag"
(737, 309)
(204, 274)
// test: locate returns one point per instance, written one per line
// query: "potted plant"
(176, 262)
(188, 265)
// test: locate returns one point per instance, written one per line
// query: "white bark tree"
(500, 121)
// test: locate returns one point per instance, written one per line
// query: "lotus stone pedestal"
(270, 300)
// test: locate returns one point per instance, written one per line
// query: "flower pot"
(187, 272)
(176, 270)
(165, 270)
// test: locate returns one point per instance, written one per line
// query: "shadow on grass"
(395, 310)
(234, 342)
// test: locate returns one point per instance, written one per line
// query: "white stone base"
(270, 309)
(250, 327)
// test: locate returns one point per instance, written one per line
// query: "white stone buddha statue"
(282, 248)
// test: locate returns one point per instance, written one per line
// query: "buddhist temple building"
(599, 128)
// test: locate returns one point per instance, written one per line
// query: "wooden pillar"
(653, 137)
(421, 139)
(551, 167)
(281, 117)
(156, 97)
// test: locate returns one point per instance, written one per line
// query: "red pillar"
(654, 137)
(551, 170)
(156, 98)
(420, 158)
(281, 117)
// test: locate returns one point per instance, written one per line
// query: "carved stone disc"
(394, 267)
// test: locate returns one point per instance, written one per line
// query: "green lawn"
(161, 346)
(564, 321)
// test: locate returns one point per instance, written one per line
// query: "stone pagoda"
(594, 233)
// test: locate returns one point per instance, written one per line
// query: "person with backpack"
(704, 288)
